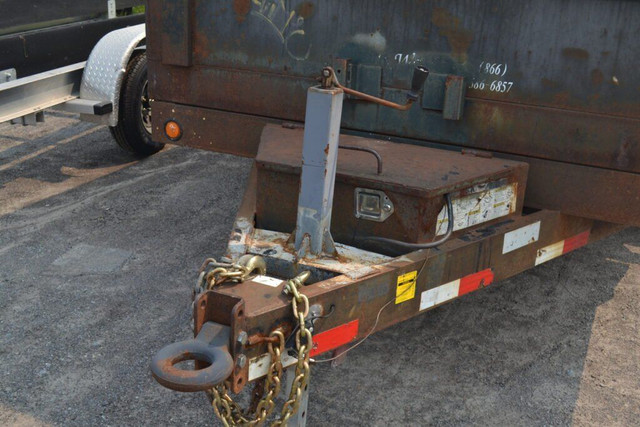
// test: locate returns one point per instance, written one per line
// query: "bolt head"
(315, 310)
(241, 361)
(387, 207)
(243, 337)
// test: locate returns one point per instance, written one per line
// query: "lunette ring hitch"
(210, 346)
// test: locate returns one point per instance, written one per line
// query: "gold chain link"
(213, 273)
(230, 413)
(303, 345)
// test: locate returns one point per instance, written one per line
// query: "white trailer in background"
(109, 88)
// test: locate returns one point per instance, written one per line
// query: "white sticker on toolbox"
(259, 366)
(269, 281)
(479, 207)
(521, 237)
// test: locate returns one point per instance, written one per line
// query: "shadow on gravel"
(93, 149)
(513, 354)
(75, 343)
(57, 162)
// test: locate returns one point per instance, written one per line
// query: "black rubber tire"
(130, 133)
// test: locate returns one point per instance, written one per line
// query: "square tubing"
(317, 182)
(299, 419)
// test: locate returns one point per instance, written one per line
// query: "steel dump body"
(550, 82)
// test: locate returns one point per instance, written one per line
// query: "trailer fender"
(106, 66)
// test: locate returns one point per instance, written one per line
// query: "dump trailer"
(406, 153)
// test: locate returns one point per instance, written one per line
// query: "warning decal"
(406, 288)
(484, 204)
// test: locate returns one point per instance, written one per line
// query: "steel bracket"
(224, 309)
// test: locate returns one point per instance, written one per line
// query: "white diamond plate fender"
(106, 66)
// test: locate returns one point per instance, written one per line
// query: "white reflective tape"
(269, 281)
(549, 252)
(259, 366)
(521, 237)
(439, 295)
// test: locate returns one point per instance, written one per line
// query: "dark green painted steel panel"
(544, 79)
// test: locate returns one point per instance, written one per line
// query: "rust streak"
(241, 8)
(305, 10)
(575, 53)
(597, 77)
(449, 26)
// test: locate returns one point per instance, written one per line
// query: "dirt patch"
(611, 376)
(23, 192)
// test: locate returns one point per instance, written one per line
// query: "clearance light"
(173, 130)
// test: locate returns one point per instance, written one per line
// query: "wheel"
(133, 131)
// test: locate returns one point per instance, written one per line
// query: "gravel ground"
(98, 254)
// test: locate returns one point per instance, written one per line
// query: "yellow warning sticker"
(406, 288)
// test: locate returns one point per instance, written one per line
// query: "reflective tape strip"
(259, 366)
(521, 237)
(562, 247)
(473, 282)
(576, 242)
(549, 252)
(456, 288)
(334, 338)
(438, 295)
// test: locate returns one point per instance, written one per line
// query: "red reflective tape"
(334, 338)
(475, 281)
(575, 242)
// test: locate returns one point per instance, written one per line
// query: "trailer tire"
(133, 131)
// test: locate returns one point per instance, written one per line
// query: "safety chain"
(213, 273)
(304, 343)
(230, 413)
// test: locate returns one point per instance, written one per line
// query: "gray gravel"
(95, 279)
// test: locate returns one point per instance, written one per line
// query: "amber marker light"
(173, 130)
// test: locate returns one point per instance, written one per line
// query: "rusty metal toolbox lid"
(408, 169)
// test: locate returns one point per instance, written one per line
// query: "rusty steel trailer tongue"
(407, 239)
(345, 301)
